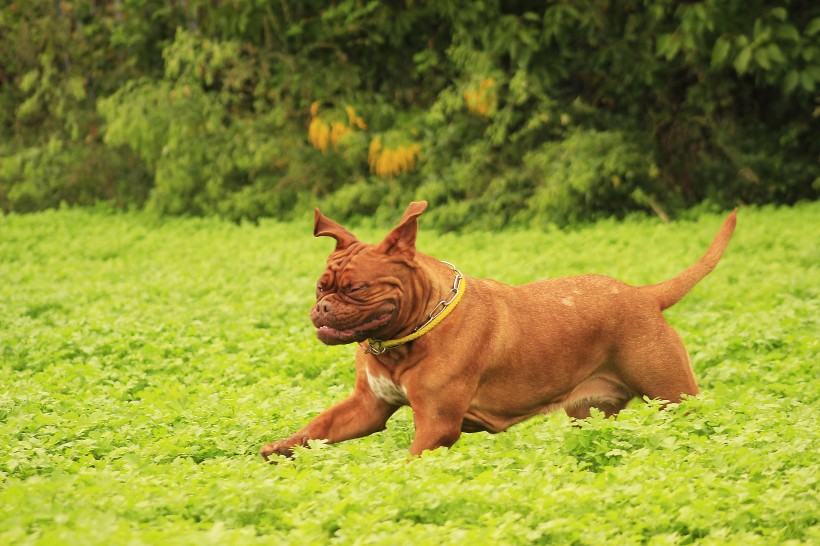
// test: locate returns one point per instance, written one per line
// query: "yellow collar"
(444, 308)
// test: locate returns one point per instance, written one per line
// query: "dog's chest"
(385, 389)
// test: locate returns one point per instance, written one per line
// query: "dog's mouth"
(337, 336)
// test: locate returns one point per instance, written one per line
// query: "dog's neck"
(441, 286)
(442, 278)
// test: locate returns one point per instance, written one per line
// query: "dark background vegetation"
(498, 113)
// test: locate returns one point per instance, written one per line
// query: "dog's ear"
(325, 227)
(403, 236)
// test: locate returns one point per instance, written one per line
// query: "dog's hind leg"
(602, 391)
(656, 364)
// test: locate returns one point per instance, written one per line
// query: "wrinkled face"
(357, 296)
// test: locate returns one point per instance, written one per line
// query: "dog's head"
(360, 293)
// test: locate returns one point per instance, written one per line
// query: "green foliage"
(465, 103)
(68, 172)
(60, 57)
(145, 360)
(204, 162)
(587, 173)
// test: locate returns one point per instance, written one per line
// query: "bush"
(589, 173)
(59, 172)
(497, 112)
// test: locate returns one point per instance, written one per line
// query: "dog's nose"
(324, 307)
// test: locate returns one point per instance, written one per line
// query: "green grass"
(143, 363)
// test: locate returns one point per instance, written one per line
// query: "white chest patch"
(383, 388)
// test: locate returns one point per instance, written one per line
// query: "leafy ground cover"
(144, 362)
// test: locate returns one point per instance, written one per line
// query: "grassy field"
(144, 362)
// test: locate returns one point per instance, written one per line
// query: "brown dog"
(493, 354)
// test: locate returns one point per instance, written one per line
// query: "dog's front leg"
(358, 415)
(439, 402)
(436, 426)
(434, 431)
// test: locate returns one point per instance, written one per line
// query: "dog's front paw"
(282, 447)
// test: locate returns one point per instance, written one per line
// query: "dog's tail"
(672, 291)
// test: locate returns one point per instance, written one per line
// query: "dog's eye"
(350, 288)
(321, 290)
(324, 284)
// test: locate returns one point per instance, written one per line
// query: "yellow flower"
(354, 119)
(319, 134)
(337, 131)
(327, 129)
(481, 99)
(390, 162)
